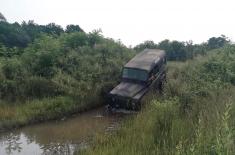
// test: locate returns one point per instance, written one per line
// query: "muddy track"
(60, 137)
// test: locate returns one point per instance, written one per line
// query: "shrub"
(38, 87)
(13, 69)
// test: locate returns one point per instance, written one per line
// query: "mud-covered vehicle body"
(146, 70)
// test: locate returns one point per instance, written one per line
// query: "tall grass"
(194, 116)
(57, 76)
(16, 115)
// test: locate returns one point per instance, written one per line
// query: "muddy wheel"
(108, 109)
(161, 86)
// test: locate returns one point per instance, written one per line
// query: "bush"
(75, 40)
(205, 126)
(48, 108)
(13, 69)
(9, 90)
(39, 87)
(73, 65)
(43, 64)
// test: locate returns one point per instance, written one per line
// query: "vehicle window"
(135, 74)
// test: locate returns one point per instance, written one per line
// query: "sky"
(132, 21)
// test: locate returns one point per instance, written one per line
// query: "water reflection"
(12, 143)
(15, 143)
(58, 137)
(58, 148)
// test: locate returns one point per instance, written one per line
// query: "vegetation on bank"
(181, 51)
(47, 72)
(57, 76)
(21, 35)
(196, 114)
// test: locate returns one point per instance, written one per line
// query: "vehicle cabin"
(145, 65)
(145, 70)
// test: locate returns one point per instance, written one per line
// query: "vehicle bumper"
(122, 102)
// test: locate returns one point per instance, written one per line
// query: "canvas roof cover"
(146, 59)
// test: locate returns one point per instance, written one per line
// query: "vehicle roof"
(146, 60)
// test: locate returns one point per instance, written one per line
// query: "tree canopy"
(177, 50)
(2, 18)
(20, 35)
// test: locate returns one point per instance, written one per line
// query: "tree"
(165, 45)
(175, 50)
(73, 28)
(53, 29)
(178, 49)
(217, 42)
(146, 44)
(94, 37)
(33, 30)
(189, 47)
(2, 18)
(76, 39)
(13, 35)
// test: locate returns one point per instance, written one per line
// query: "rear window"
(135, 74)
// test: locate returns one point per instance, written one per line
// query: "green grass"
(194, 116)
(16, 115)
(57, 76)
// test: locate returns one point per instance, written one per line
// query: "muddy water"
(58, 137)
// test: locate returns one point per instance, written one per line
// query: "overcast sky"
(132, 21)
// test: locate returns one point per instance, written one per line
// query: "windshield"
(135, 74)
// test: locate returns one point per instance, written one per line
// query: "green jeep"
(147, 69)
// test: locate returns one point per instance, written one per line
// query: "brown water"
(58, 137)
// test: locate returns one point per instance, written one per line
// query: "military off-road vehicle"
(146, 70)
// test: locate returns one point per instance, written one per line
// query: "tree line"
(177, 50)
(56, 75)
(35, 58)
(20, 35)
(14, 37)
(47, 72)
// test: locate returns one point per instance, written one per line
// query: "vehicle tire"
(160, 86)
(108, 109)
(164, 79)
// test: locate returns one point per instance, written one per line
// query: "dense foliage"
(177, 50)
(20, 35)
(47, 72)
(72, 70)
(195, 115)
(2, 18)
